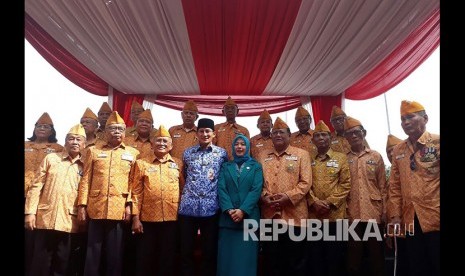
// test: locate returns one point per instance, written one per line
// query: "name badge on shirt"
(400, 156)
(49, 150)
(221, 129)
(371, 162)
(28, 150)
(268, 159)
(152, 169)
(102, 155)
(259, 145)
(176, 135)
(127, 156)
(332, 164)
(293, 158)
(335, 142)
(173, 166)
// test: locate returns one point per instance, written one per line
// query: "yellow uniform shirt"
(104, 187)
(225, 134)
(368, 189)
(417, 190)
(155, 189)
(145, 148)
(34, 153)
(258, 144)
(182, 140)
(53, 195)
(331, 182)
(287, 173)
(304, 141)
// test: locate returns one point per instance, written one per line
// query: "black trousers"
(188, 229)
(156, 249)
(326, 257)
(372, 248)
(423, 251)
(53, 253)
(104, 243)
(285, 256)
(28, 250)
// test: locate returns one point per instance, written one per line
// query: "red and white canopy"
(274, 54)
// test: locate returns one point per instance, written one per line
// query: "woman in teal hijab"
(239, 189)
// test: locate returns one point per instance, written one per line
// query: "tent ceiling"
(243, 47)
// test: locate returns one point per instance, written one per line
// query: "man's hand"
(137, 227)
(82, 214)
(127, 214)
(30, 222)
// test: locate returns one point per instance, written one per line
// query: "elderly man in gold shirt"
(51, 209)
(141, 138)
(156, 186)
(105, 197)
(227, 131)
(327, 202)
(90, 123)
(185, 136)
(262, 141)
(287, 180)
(103, 113)
(303, 137)
(414, 187)
(366, 201)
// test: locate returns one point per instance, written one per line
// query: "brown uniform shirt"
(53, 195)
(340, 143)
(34, 153)
(368, 188)
(145, 148)
(132, 131)
(155, 189)
(258, 144)
(287, 173)
(416, 191)
(331, 182)
(182, 140)
(225, 134)
(304, 141)
(104, 187)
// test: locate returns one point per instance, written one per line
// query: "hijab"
(239, 160)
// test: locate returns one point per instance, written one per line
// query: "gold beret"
(114, 119)
(336, 111)
(321, 127)
(264, 115)
(301, 112)
(279, 124)
(89, 114)
(77, 130)
(45, 119)
(105, 108)
(146, 114)
(392, 141)
(229, 101)
(351, 122)
(191, 106)
(408, 107)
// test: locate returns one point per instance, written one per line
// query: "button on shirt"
(200, 197)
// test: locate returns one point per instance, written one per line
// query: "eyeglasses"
(413, 164)
(351, 133)
(116, 128)
(43, 126)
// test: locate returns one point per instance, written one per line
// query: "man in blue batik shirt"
(199, 208)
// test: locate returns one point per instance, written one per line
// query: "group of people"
(122, 201)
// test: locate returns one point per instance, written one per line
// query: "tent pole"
(387, 113)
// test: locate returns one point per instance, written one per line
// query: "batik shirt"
(199, 197)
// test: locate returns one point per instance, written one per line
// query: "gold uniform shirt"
(182, 140)
(259, 144)
(53, 195)
(225, 134)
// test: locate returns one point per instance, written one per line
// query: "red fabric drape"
(322, 106)
(62, 60)
(400, 63)
(122, 103)
(248, 105)
(236, 45)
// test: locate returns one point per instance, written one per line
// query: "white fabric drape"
(334, 42)
(136, 46)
